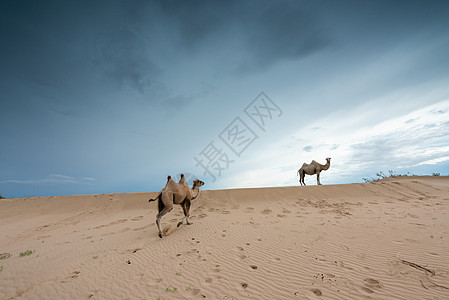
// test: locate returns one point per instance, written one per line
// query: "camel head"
(328, 159)
(196, 187)
(197, 183)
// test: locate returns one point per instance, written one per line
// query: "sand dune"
(355, 241)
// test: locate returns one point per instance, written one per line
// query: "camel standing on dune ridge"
(311, 169)
(176, 193)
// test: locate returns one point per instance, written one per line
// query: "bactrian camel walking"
(176, 193)
(311, 169)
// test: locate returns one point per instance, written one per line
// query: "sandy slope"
(329, 242)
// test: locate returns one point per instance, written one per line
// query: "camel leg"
(301, 178)
(318, 178)
(167, 207)
(159, 216)
(187, 211)
(185, 208)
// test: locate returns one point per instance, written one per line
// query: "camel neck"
(195, 191)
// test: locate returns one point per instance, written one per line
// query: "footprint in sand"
(42, 227)
(72, 275)
(412, 241)
(156, 281)
(317, 292)
(92, 294)
(112, 223)
(208, 280)
(194, 292)
(341, 265)
(75, 274)
(118, 222)
(249, 209)
(168, 230)
(372, 283)
(137, 218)
(286, 211)
(202, 216)
(141, 228)
(266, 211)
(368, 290)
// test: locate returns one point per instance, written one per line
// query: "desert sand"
(381, 240)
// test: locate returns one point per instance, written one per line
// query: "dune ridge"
(330, 242)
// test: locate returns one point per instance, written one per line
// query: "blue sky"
(113, 96)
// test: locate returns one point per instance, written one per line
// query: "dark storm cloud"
(180, 100)
(122, 56)
(122, 49)
(52, 43)
(42, 40)
(259, 34)
(282, 32)
(65, 45)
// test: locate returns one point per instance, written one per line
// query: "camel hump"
(169, 181)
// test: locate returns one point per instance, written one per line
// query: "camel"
(311, 169)
(176, 193)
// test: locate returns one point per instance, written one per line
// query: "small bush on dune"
(26, 253)
(381, 175)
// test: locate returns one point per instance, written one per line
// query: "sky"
(113, 96)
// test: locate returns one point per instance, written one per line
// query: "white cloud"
(433, 161)
(357, 148)
(52, 179)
